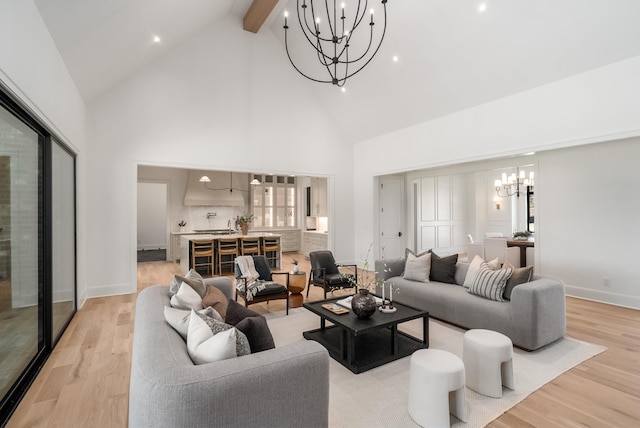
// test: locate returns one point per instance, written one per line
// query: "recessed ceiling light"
(343, 89)
(156, 39)
(482, 7)
(395, 58)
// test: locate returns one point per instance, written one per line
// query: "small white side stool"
(436, 387)
(488, 359)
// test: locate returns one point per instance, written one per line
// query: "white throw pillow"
(186, 298)
(475, 265)
(490, 283)
(205, 347)
(179, 318)
(417, 268)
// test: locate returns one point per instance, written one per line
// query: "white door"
(391, 197)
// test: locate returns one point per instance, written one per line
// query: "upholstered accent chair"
(272, 290)
(326, 274)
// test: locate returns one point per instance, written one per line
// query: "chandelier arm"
(307, 35)
(296, 68)
(384, 30)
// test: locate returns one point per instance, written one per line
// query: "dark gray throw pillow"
(257, 332)
(519, 276)
(262, 267)
(443, 269)
(252, 324)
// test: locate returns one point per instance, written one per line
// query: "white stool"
(436, 387)
(488, 359)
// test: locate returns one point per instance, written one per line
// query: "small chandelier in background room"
(511, 184)
(205, 179)
(331, 32)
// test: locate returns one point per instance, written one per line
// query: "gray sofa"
(535, 316)
(280, 387)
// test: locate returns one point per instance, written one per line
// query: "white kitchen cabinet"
(318, 197)
(314, 241)
(289, 239)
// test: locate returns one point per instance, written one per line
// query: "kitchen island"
(185, 244)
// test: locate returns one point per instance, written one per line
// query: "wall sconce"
(497, 202)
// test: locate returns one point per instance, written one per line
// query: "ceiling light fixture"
(156, 39)
(331, 40)
(511, 184)
(205, 179)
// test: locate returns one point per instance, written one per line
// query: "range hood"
(226, 189)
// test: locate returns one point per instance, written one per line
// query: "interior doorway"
(152, 221)
(391, 198)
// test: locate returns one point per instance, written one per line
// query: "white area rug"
(379, 397)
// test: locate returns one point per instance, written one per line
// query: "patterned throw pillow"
(490, 283)
(242, 343)
(475, 265)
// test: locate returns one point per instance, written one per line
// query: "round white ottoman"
(436, 387)
(488, 359)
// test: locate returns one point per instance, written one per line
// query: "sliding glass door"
(37, 248)
(21, 239)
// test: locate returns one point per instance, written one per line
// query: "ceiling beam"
(257, 14)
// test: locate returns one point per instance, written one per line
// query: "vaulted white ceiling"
(451, 55)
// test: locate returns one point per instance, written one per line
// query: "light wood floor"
(85, 381)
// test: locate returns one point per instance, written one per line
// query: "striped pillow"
(490, 283)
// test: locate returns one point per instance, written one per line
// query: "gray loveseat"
(535, 316)
(280, 387)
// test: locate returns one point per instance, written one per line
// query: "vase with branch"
(243, 222)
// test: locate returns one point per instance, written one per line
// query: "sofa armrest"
(538, 308)
(388, 268)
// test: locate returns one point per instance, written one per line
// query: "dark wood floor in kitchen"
(85, 381)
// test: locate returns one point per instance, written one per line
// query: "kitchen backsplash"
(202, 217)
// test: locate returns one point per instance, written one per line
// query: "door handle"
(399, 233)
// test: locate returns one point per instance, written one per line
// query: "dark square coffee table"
(361, 345)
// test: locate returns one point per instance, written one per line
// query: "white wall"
(600, 105)
(232, 106)
(31, 67)
(152, 216)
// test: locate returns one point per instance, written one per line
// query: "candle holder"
(387, 307)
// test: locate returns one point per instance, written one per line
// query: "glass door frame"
(46, 341)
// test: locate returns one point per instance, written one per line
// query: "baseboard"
(621, 300)
(110, 290)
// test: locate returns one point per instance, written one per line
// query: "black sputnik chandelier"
(330, 30)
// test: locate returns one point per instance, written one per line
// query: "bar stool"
(226, 247)
(250, 246)
(202, 249)
(271, 250)
(436, 388)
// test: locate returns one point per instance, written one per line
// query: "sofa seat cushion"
(452, 303)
